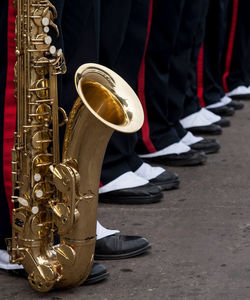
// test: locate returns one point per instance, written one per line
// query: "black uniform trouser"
(239, 66)
(192, 101)
(123, 37)
(181, 62)
(167, 65)
(79, 22)
(214, 45)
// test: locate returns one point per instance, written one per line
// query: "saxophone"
(52, 196)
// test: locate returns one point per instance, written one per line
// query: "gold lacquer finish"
(52, 196)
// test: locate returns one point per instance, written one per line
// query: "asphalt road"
(200, 235)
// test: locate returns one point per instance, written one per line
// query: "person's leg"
(214, 44)
(159, 140)
(157, 132)
(121, 48)
(235, 78)
(81, 45)
(180, 66)
(194, 92)
(195, 119)
(181, 60)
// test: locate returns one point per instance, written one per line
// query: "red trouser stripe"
(10, 106)
(141, 89)
(200, 70)
(230, 44)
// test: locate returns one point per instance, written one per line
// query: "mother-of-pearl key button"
(52, 50)
(23, 201)
(39, 193)
(37, 177)
(45, 21)
(48, 40)
(59, 52)
(35, 210)
(46, 29)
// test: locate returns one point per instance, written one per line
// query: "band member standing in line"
(85, 30)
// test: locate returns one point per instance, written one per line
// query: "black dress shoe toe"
(98, 273)
(223, 111)
(144, 194)
(18, 272)
(236, 104)
(207, 145)
(166, 180)
(190, 158)
(240, 97)
(223, 122)
(120, 246)
(212, 129)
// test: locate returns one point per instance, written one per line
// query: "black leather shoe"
(236, 104)
(241, 97)
(212, 129)
(190, 158)
(166, 181)
(120, 246)
(223, 122)
(144, 194)
(97, 274)
(17, 272)
(223, 111)
(207, 145)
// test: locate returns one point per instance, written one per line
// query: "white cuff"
(148, 172)
(175, 148)
(102, 232)
(189, 139)
(194, 120)
(125, 181)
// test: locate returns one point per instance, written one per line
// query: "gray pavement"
(200, 235)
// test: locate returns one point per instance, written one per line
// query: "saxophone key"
(42, 191)
(46, 29)
(35, 210)
(43, 113)
(52, 50)
(39, 194)
(37, 177)
(23, 202)
(41, 164)
(45, 21)
(41, 140)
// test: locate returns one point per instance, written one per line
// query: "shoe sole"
(210, 150)
(96, 279)
(236, 107)
(198, 131)
(223, 124)
(130, 200)
(171, 163)
(89, 281)
(224, 114)
(122, 256)
(241, 97)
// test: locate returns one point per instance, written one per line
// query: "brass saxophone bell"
(109, 98)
